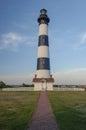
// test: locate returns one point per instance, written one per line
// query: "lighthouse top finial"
(43, 11)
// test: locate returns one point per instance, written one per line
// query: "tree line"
(4, 85)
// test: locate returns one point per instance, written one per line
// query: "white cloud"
(81, 42)
(74, 76)
(12, 40)
(83, 38)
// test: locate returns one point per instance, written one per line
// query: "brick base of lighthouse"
(43, 84)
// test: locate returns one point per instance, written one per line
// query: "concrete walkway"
(43, 118)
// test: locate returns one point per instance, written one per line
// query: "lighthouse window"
(42, 21)
(43, 61)
(43, 40)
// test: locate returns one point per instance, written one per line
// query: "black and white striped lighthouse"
(43, 79)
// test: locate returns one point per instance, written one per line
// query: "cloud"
(81, 42)
(12, 40)
(83, 38)
(74, 76)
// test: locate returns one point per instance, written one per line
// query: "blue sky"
(19, 40)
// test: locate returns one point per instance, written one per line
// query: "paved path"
(43, 118)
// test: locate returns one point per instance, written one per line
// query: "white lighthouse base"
(43, 86)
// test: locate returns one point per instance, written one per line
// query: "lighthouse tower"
(43, 79)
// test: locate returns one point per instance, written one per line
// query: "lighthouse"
(43, 79)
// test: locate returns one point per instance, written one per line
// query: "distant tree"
(8, 86)
(55, 85)
(32, 85)
(27, 85)
(23, 85)
(2, 84)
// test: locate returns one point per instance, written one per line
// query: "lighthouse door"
(44, 85)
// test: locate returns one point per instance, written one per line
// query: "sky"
(19, 40)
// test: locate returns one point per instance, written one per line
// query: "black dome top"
(43, 18)
(43, 11)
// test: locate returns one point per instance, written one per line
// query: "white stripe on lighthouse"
(43, 29)
(43, 73)
(43, 51)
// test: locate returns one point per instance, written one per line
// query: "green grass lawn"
(69, 109)
(16, 109)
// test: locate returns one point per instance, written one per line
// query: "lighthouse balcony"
(41, 79)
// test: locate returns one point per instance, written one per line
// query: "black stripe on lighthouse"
(43, 40)
(43, 63)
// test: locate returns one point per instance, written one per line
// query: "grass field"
(69, 109)
(16, 109)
